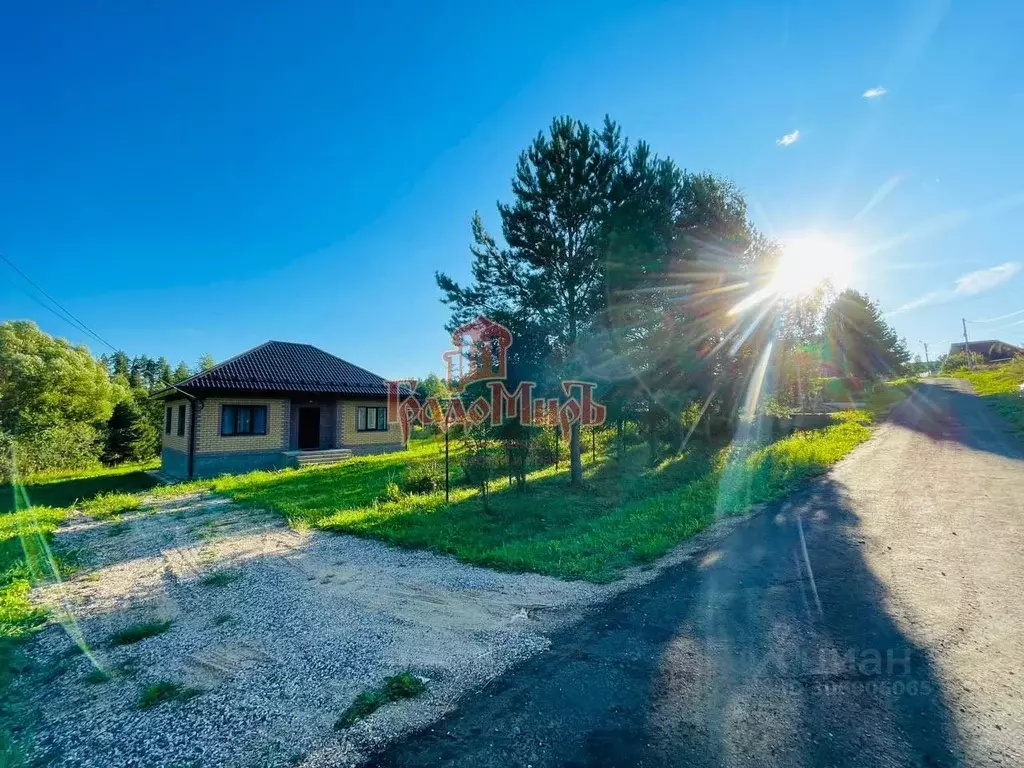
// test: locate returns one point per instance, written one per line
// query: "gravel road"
(874, 619)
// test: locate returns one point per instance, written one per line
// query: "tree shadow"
(947, 411)
(775, 648)
(65, 492)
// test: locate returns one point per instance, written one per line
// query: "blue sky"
(200, 177)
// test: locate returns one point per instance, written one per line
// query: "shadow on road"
(947, 410)
(775, 648)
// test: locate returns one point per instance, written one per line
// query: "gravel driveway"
(873, 619)
(300, 625)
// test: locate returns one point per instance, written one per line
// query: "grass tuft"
(138, 632)
(220, 578)
(402, 686)
(165, 691)
(97, 676)
(107, 505)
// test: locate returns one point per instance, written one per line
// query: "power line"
(70, 318)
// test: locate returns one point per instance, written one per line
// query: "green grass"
(108, 505)
(999, 387)
(627, 514)
(402, 686)
(165, 691)
(139, 632)
(25, 557)
(63, 489)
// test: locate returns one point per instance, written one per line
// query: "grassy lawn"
(63, 489)
(998, 386)
(627, 513)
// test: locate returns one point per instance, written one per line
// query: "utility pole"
(927, 362)
(967, 344)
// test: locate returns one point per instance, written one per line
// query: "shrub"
(391, 492)
(68, 446)
(545, 448)
(423, 478)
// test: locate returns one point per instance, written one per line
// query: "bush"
(69, 446)
(545, 448)
(391, 492)
(130, 437)
(423, 478)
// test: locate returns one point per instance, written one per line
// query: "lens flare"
(810, 261)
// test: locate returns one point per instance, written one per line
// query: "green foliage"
(205, 362)
(423, 477)
(165, 691)
(955, 362)
(61, 447)
(46, 382)
(402, 686)
(861, 340)
(139, 632)
(392, 492)
(1000, 387)
(847, 389)
(130, 435)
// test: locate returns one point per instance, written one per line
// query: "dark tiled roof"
(282, 366)
(988, 348)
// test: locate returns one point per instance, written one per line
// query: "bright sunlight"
(810, 261)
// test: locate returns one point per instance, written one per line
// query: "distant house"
(990, 350)
(279, 404)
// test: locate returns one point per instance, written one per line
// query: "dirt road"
(875, 619)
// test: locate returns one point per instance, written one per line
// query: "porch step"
(306, 458)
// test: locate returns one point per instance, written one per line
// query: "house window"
(181, 420)
(167, 421)
(371, 419)
(243, 420)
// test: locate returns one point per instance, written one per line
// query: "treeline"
(62, 408)
(616, 266)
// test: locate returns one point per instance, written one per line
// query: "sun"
(809, 261)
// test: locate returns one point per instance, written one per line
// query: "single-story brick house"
(278, 405)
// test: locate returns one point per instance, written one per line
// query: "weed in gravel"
(165, 690)
(110, 504)
(222, 618)
(402, 686)
(140, 631)
(220, 578)
(97, 676)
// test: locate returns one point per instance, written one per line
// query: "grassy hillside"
(1000, 387)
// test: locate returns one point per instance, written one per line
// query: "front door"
(309, 429)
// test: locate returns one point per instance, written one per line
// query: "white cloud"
(985, 279)
(969, 284)
(789, 138)
(874, 93)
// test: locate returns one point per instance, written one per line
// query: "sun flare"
(809, 261)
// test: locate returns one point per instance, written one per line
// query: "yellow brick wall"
(346, 421)
(174, 440)
(210, 440)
